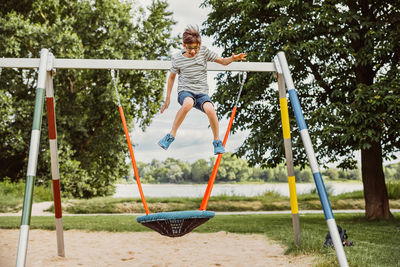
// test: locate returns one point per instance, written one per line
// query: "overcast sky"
(194, 137)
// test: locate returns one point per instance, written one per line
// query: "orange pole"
(133, 160)
(211, 181)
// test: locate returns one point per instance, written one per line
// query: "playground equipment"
(172, 224)
(176, 223)
(46, 69)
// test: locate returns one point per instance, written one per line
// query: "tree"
(280, 173)
(90, 135)
(232, 169)
(303, 175)
(178, 171)
(200, 171)
(332, 174)
(345, 60)
(261, 174)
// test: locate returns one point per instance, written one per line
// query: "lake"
(248, 190)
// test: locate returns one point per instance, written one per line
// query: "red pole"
(133, 160)
(216, 165)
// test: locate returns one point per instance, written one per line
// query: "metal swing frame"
(47, 64)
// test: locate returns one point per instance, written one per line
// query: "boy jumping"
(191, 65)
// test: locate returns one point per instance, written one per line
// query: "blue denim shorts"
(199, 99)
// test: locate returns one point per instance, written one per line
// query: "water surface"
(248, 190)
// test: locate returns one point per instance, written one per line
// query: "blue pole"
(305, 136)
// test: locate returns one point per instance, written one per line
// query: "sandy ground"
(147, 249)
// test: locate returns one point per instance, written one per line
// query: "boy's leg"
(209, 109)
(187, 105)
(212, 117)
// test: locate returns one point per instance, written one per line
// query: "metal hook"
(243, 75)
(113, 75)
(115, 80)
(1, 70)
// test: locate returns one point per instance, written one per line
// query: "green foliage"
(344, 57)
(231, 170)
(237, 170)
(91, 142)
(392, 171)
(303, 175)
(12, 194)
(393, 189)
(338, 174)
(201, 171)
(169, 171)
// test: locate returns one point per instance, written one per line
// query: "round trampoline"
(176, 223)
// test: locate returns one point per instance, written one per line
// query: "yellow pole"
(288, 154)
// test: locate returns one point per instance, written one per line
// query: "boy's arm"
(228, 60)
(171, 80)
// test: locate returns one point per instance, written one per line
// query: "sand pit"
(147, 249)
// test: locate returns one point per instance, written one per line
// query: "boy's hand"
(241, 56)
(165, 106)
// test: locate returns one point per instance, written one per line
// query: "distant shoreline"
(247, 190)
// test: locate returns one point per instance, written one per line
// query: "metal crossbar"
(63, 63)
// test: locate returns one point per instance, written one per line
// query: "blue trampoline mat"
(176, 215)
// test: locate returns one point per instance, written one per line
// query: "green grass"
(375, 243)
(11, 199)
(12, 195)
(270, 201)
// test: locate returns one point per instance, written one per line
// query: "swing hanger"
(115, 80)
(112, 71)
(242, 79)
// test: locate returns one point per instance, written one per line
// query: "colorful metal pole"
(128, 140)
(32, 160)
(55, 173)
(214, 172)
(323, 196)
(288, 153)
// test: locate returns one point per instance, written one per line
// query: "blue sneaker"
(166, 141)
(218, 147)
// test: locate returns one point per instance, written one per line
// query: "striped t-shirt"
(192, 72)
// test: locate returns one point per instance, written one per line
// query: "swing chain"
(242, 79)
(115, 80)
(1, 70)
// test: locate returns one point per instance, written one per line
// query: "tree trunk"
(375, 192)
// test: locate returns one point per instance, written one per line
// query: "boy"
(191, 65)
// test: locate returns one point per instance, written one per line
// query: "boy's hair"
(191, 35)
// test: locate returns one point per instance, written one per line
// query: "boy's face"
(192, 49)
